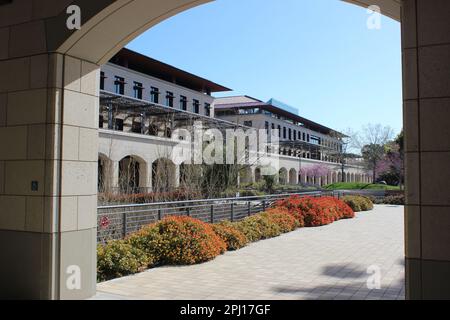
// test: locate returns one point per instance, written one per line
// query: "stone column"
(48, 160)
(426, 83)
(177, 176)
(115, 176)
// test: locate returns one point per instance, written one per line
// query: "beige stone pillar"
(115, 176)
(426, 83)
(48, 185)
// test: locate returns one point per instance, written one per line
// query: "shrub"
(118, 258)
(358, 203)
(294, 206)
(233, 238)
(394, 200)
(185, 241)
(313, 212)
(250, 193)
(148, 239)
(258, 227)
(335, 209)
(283, 219)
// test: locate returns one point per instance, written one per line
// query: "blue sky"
(316, 55)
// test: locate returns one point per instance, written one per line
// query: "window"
(315, 140)
(290, 134)
(304, 137)
(248, 123)
(136, 127)
(100, 121)
(279, 131)
(102, 80)
(267, 127)
(207, 109)
(138, 89)
(295, 135)
(196, 105)
(154, 95)
(119, 85)
(118, 124)
(169, 99)
(183, 103)
(284, 133)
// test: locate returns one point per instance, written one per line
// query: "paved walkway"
(328, 262)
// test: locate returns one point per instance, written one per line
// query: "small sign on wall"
(34, 186)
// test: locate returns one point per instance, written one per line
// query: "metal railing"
(118, 221)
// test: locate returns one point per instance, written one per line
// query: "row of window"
(294, 135)
(290, 134)
(138, 93)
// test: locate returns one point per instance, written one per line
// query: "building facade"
(143, 101)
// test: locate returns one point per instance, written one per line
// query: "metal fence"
(116, 222)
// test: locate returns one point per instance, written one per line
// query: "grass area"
(359, 186)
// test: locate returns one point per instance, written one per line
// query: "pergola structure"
(113, 105)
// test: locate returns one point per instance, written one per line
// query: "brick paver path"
(329, 262)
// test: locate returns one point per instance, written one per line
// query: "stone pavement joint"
(328, 262)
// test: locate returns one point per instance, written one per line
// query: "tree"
(372, 141)
(391, 167)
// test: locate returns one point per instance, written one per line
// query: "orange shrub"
(186, 241)
(233, 238)
(313, 212)
(283, 218)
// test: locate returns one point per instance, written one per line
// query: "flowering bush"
(185, 241)
(118, 258)
(358, 203)
(313, 212)
(258, 227)
(233, 238)
(283, 219)
(148, 239)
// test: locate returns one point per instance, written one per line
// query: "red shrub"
(313, 212)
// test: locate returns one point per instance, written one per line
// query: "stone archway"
(283, 176)
(293, 177)
(54, 72)
(132, 175)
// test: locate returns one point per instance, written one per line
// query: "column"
(426, 83)
(48, 185)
